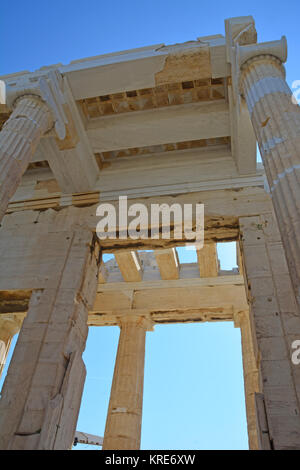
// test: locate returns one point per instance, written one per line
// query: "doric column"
(41, 395)
(9, 326)
(38, 106)
(251, 378)
(276, 121)
(124, 417)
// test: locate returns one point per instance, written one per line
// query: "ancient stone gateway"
(160, 125)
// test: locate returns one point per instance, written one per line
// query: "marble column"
(124, 417)
(276, 120)
(38, 106)
(19, 137)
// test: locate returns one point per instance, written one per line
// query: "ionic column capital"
(269, 50)
(268, 56)
(242, 50)
(46, 89)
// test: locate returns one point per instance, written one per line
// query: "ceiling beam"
(182, 298)
(129, 265)
(167, 261)
(168, 302)
(177, 123)
(73, 165)
(226, 280)
(208, 260)
(197, 315)
(103, 274)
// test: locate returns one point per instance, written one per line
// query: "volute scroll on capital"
(48, 88)
(277, 49)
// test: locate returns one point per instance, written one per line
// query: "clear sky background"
(193, 394)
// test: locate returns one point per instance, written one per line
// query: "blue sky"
(36, 33)
(193, 374)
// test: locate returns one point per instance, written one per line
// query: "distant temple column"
(276, 121)
(9, 326)
(124, 418)
(38, 106)
(251, 375)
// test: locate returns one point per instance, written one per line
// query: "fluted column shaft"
(251, 376)
(19, 137)
(8, 328)
(276, 121)
(124, 417)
